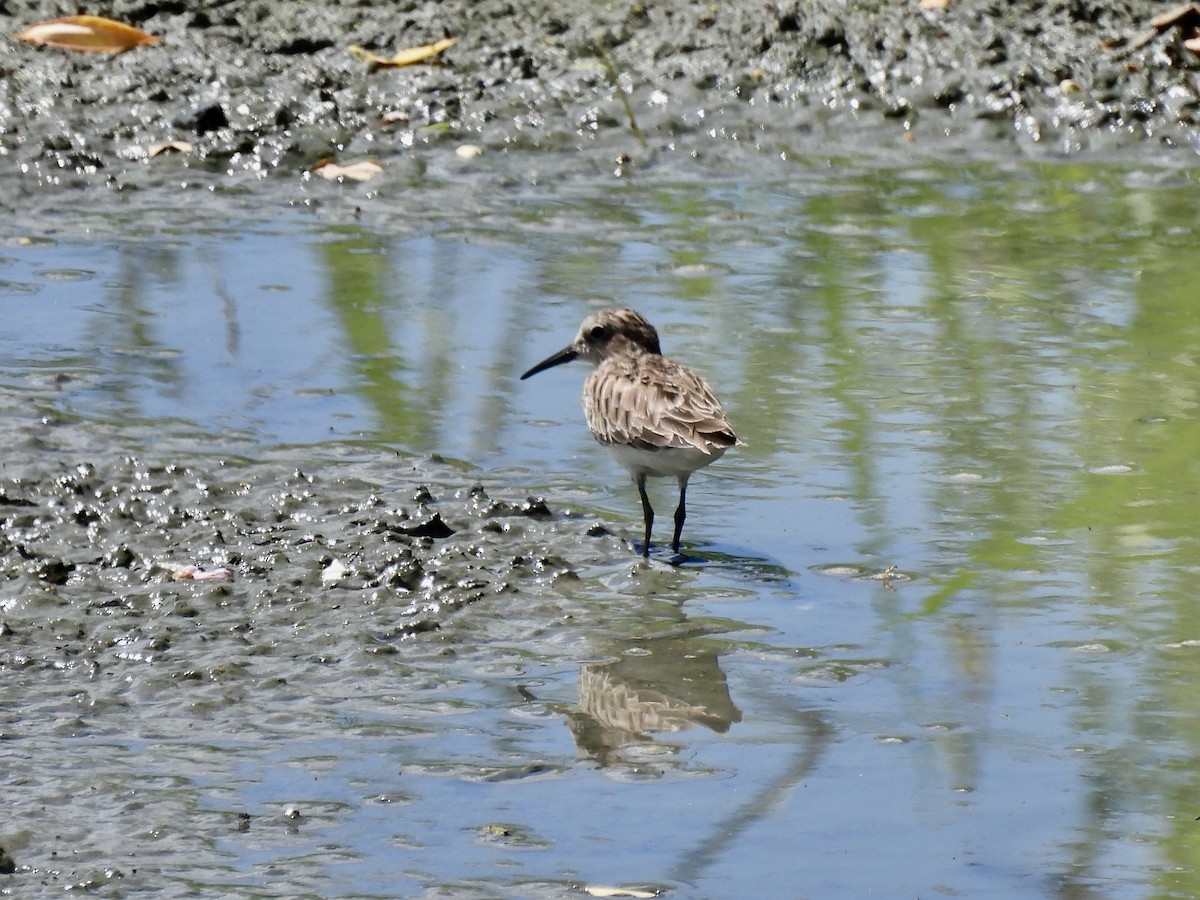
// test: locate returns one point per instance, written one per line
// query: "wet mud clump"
(126, 560)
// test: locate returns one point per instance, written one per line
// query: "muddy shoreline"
(104, 518)
(263, 93)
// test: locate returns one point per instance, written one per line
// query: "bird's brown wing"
(654, 402)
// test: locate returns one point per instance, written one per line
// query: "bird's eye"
(599, 332)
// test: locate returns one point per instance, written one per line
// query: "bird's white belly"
(669, 462)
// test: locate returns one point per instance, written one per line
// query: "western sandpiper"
(655, 416)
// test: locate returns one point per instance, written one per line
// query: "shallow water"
(982, 376)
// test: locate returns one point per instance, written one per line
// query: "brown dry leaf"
(359, 171)
(93, 33)
(178, 146)
(1185, 17)
(404, 57)
(1186, 14)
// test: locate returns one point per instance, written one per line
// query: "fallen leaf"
(366, 55)
(175, 146)
(404, 57)
(424, 52)
(1186, 14)
(1185, 17)
(92, 33)
(359, 171)
(195, 573)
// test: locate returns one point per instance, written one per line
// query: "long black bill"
(562, 356)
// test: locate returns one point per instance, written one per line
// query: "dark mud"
(360, 586)
(265, 89)
(106, 537)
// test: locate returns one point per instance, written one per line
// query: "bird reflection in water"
(664, 687)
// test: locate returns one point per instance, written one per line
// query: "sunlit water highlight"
(941, 637)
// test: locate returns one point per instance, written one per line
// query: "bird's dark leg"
(647, 512)
(680, 512)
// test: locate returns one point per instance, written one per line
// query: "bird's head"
(603, 334)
